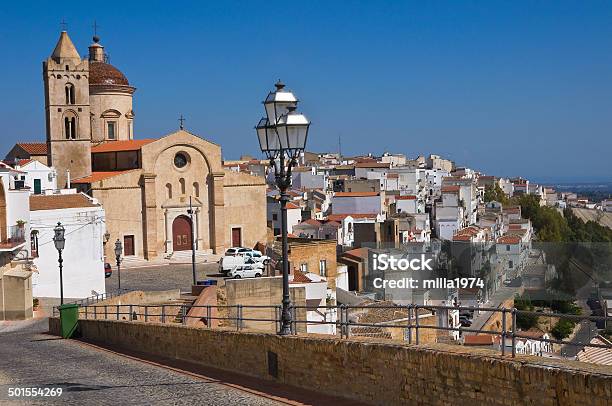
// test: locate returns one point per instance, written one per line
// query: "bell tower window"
(70, 131)
(70, 99)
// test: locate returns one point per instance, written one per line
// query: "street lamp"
(282, 137)
(118, 252)
(193, 243)
(60, 242)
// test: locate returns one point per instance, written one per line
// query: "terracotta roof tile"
(98, 176)
(116, 146)
(292, 206)
(407, 197)
(34, 148)
(450, 189)
(52, 202)
(299, 277)
(509, 239)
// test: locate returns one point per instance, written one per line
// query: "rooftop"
(34, 148)
(98, 176)
(116, 146)
(54, 202)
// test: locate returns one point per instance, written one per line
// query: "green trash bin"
(69, 318)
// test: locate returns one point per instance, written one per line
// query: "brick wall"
(374, 372)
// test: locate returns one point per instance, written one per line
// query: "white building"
(317, 296)
(294, 215)
(358, 203)
(14, 210)
(83, 267)
(15, 274)
(37, 176)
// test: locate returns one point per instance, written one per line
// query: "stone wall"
(374, 372)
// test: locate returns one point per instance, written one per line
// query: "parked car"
(255, 254)
(245, 271)
(464, 321)
(230, 262)
(108, 271)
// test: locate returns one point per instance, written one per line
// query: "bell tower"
(67, 109)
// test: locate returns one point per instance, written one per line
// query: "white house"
(15, 275)
(37, 176)
(317, 295)
(14, 211)
(358, 203)
(83, 256)
(294, 215)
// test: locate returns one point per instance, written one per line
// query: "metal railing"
(94, 299)
(344, 319)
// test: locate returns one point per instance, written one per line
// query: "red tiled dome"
(101, 73)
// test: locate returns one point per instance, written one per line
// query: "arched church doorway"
(181, 233)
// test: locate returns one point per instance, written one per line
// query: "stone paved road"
(90, 376)
(161, 277)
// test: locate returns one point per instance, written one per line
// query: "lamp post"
(193, 242)
(282, 137)
(118, 252)
(60, 242)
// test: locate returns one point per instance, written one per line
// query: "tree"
(495, 193)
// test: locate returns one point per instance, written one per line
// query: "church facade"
(157, 193)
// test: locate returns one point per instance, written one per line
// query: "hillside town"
(166, 198)
(197, 240)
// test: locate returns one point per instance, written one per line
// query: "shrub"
(563, 329)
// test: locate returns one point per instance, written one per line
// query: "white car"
(230, 262)
(245, 271)
(255, 254)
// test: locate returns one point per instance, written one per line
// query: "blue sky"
(509, 88)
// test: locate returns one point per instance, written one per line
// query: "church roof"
(34, 148)
(117, 146)
(98, 176)
(65, 48)
(101, 73)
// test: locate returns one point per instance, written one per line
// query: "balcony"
(14, 239)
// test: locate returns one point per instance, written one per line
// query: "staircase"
(185, 256)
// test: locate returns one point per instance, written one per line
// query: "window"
(196, 189)
(69, 94)
(182, 184)
(111, 130)
(181, 160)
(507, 247)
(168, 191)
(130, 130)
(304, 268)
(510, 264)
(274, 216)
(70, 130)
(323, 267)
